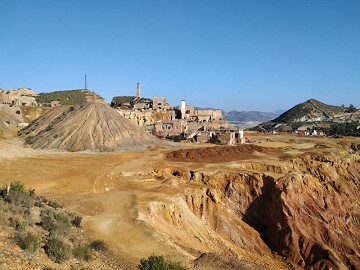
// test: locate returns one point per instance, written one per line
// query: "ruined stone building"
(223, 136)
(168, 128)
(162, 120)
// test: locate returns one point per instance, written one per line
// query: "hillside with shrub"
(69, 97)
(38, 233)
(35, 227)
(312, 115)
(308, 110)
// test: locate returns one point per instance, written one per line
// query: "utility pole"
(85, 82)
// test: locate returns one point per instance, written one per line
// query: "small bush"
(63, 218)
(54, 204)
(55, 223)
(28, 241)
(215, 140)
(57, 250)
(4, 216)
(76, 221)
(177, 138)
(83, 252)
(98, 245)
(159, 263)
(20, 225)
(18, 195)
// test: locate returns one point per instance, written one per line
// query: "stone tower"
(138, 93)
(183, 109)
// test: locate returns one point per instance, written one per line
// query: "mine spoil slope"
(90, 126)
(305, 208)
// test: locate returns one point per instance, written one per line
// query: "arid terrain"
(282, 202)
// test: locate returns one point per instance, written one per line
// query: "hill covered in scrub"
(89, 126)
(68, 97)
(311, 110)
(311, 114)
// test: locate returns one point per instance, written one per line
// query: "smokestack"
(182, 109)
(138, 94)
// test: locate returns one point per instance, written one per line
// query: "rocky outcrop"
(21, 96)
(13, 117)
(92, 126)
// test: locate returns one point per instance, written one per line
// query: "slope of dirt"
(92, 126)
(218, 153)
(305, 208)
(293, 205)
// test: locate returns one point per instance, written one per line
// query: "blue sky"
(243, 55)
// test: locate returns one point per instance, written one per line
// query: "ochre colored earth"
(282, 202)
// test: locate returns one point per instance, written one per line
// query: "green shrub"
(70, 97)
(57, 250)
(76, 221)
(28, 241)
(98, 245)
(215, 140)
(83, 252)
(159, 263)
(18, 195)
(56, 223)
(4, 216)
(177, 138)
(63, 218)
(20, 225)
(54, 204)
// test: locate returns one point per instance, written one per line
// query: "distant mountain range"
(250, 116)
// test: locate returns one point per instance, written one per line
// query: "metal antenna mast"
(85, 83)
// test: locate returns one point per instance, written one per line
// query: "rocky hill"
(311, 114)
(310, 111)
(90, 126)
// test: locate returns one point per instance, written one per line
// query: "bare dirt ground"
(111, 189)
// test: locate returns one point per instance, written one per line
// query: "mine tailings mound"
(89, 126)
(214, 154)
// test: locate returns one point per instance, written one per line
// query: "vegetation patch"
(41, 223)
(58, 250)
(83, 252)
(127, 101)
(98, 245)
(70, 97)
(344, 129)
(159, 263)
(28, 241)
(177, 138)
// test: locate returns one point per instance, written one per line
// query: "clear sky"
(231, 54)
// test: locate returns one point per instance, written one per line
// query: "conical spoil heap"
(91, 126)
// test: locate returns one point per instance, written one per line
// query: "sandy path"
(108, 189)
